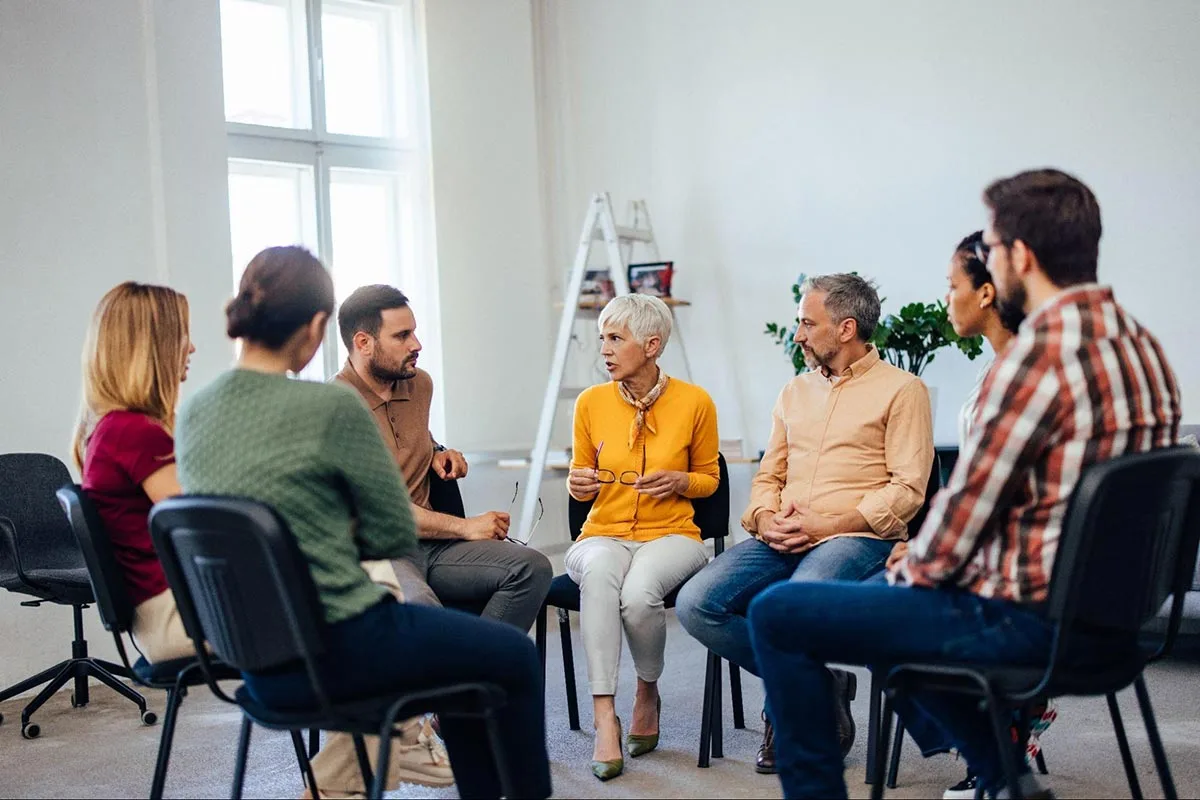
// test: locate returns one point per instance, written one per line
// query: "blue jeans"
(798, 628)
(396, 647)
(712, 606)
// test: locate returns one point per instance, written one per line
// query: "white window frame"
(405, 156)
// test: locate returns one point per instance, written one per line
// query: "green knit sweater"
(312, 452)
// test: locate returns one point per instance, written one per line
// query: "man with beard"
(1081, 383)
(845, 469)
(462, 563)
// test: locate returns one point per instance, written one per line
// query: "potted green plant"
(908, 340)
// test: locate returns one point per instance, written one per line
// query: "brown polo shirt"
(404, 423)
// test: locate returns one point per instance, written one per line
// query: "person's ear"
(653, 347)
(1021, 258)
(847, 330)
(363, 343)
(987, 295)
(316, 326)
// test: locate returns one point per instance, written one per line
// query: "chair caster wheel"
(149, 718)
(1, 719)
(75, 703)
(31, 730)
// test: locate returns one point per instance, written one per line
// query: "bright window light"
(265, 62)
(360, 95)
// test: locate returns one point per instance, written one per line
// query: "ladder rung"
(570, 392)
(632, 234)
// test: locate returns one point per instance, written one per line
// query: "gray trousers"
(498, 580)
(622, 585)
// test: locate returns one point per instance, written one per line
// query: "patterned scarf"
(642, 406)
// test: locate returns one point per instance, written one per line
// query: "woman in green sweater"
(312, 452)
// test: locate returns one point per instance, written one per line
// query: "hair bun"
(244, 313)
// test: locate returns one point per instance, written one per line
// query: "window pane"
(264, 46)
(365, 225)
(358, 43)
(272, 204)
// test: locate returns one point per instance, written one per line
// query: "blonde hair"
(644, 315)
(133, 358)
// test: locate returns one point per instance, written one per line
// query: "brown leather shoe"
(845, 686)
(764, 764)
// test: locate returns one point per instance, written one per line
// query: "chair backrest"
(445, 497)
(1128, 543)
(240, 581)
(932, 487)
(711, 514)
(41, 533)
(106, 576)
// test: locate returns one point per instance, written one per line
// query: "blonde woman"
(644, 445)
(134, 360)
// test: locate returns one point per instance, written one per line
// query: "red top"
(124, 450)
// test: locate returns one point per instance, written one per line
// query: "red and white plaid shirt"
(1081, 382)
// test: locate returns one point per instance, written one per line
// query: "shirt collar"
(858, 367)
(401, 390)
(1067, 296)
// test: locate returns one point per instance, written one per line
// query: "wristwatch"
(439, 448)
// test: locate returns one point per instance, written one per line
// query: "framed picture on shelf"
(597, 288)
(653, 278)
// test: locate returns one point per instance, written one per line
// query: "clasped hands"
(792, 529)
(585, 483)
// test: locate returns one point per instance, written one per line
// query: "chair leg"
(873, 721)
(706, 713)
(243, 751)
(56, 683)
(383, 762)
(564, 631)
(539, 638)
(105, 677)
(1008, 757)
(735, 696)
(306, 773)
(364, 762)
(894, 762)
(883, 730)
(1114, 711)
(497, 742)
(718, 713)
(1156, 746)
(175, 697)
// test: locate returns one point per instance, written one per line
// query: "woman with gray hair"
(644, 445)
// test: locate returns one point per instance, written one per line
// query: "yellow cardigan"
(686, 440)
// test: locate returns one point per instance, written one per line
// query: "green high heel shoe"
(638, 744)
(607, 770)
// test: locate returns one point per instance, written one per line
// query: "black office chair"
(39, 557)
(712, 517)
(242, 584)
(1128, 543)
(116, 612)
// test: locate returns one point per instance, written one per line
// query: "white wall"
(773, 138)
(112, 167)
(495, 302)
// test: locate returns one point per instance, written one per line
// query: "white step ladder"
(619, 242)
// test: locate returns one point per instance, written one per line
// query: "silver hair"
(848, 296)
(642, 314)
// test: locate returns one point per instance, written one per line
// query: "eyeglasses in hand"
(511, 505)
(628, 477)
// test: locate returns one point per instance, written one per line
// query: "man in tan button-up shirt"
(845, 470)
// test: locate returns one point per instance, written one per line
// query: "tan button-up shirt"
(860, 440)
(404, 423)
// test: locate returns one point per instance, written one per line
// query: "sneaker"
(963, 790)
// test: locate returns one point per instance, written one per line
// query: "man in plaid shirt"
(1082, 382)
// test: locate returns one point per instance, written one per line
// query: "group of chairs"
(247, 599)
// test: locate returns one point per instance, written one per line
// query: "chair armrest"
(10, 555)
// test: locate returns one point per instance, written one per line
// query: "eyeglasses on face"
(512, 504)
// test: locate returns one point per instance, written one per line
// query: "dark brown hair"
(1055, 215)
(282, 289)
(363, 310)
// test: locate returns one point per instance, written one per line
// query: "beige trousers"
(158, 632)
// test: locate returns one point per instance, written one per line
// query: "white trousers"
(622, 585)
